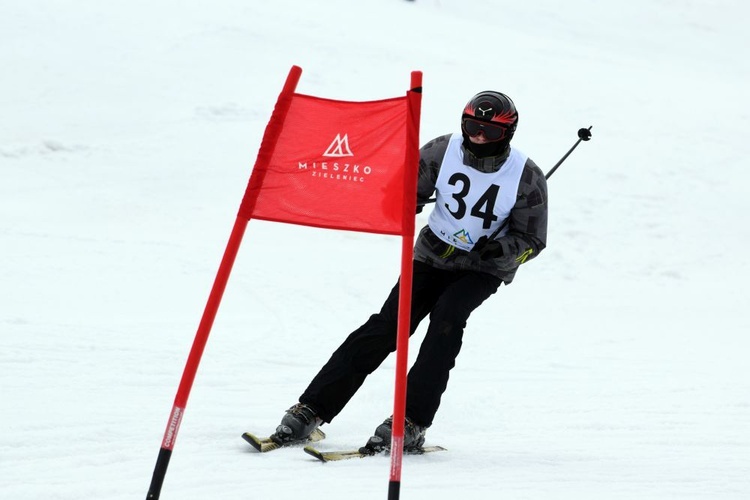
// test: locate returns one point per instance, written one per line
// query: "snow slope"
(127, 136)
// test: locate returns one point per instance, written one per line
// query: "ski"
(335, 456)
(264, 445)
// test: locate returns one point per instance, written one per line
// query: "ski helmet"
(492, 114)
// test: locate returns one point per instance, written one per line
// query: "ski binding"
(264, 445)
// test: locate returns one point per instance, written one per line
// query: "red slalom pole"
(270, 137)
(414, 105)
(196, 352)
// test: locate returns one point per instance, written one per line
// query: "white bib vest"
(469, 203)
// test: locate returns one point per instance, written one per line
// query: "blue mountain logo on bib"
(463, 236)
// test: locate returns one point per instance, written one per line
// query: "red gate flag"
(332, 164)
(335, 164)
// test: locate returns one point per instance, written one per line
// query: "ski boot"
(381, 440)
(298, 423)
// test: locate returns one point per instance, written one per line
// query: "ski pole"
(584, 134)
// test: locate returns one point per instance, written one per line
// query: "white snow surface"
(614, 367)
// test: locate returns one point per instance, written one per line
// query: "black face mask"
(487, 150)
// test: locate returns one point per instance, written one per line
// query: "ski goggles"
(492, 132)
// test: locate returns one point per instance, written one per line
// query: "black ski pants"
(449, 297)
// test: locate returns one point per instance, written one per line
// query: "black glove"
(485, 249)
(468, 261)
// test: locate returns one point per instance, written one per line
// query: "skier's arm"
(527, 225)
(430, 158)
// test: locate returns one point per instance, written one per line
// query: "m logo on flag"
(339, 147)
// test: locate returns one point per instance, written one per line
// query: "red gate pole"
(196, 352)
(414, 105)
(270, 137)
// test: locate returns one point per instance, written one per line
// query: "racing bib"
(469, 203)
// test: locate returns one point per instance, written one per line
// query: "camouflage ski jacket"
(526, 234)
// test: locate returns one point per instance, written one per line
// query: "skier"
(482, 184)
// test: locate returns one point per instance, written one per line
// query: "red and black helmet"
(491, 113)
